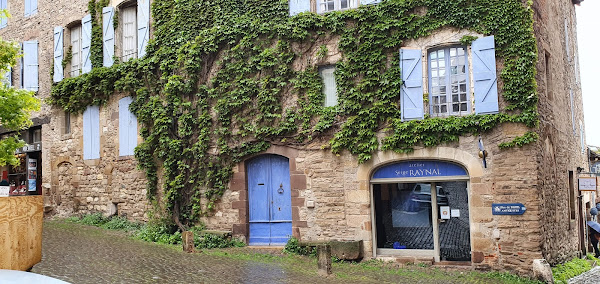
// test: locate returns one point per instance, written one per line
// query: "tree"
(16, 105)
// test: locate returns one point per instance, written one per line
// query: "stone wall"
(559, 148)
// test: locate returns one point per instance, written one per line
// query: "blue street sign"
(508, 209)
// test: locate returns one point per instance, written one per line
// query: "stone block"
(347, 250)
(324, 260)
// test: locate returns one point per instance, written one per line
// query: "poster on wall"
(445, 212)
(32, 174)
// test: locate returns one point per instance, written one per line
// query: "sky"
(588, 37)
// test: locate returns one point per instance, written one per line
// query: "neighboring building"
(87, 163)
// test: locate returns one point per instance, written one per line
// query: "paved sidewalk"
(83, 254)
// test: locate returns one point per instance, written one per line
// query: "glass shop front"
(421, 209)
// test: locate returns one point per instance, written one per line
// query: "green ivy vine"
(225, 79)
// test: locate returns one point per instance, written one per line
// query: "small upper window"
(329, 86)
(448, 82)
(75, 51)
(336, 5)
(31, 7)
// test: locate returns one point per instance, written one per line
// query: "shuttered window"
(91, 133)
(30, 65)
(30, 7)
(329, 86)
(129, 33)
(3, 20)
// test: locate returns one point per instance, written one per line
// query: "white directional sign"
(587, 183)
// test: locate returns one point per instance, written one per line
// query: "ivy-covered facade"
(400, 123)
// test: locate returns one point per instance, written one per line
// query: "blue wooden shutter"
(86, 43)
(369, 2)
(484, 75)
(58, 54)
(108, 35)
(91, 133)
(7, 80)
(30, 65)
(127, 128)
(27, 7)
(299, 6)
(3, 20)
(143, 26)
(411, 92)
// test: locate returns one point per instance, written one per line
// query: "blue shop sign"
(508, 209)
(413, 169)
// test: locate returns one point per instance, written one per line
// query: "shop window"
(31, 7)
(448, 80)
(127, 128)
(91, 133)
(329, 87)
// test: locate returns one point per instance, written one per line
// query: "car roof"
(18, 277)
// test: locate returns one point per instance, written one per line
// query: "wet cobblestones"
(82, 254)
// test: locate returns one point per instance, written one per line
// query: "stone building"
(433, 204)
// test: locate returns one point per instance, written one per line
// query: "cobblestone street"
(82, 254)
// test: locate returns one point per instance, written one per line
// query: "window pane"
(129, 33)
(329, 86)
(455, 108)
(344, 4)
(444, 109)
(463, 107)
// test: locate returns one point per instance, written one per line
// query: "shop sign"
(587, 184)
(30, 148)
(508, 209)
(4, 191)
(414, 169)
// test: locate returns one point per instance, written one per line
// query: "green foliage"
(218, 84)
(467, 40)
(95, 10)
(293, 247)
(505, 277)
(121, 224)
(159, 233)
(570, 269)
(68, 57)
(210, 241)
(520, 141)
(95, 219)
(16, 105)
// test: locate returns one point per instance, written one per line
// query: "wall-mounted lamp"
(482, 152)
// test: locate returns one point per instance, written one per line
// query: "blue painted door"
(270, 200)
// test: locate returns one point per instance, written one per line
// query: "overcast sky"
(588, 36)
